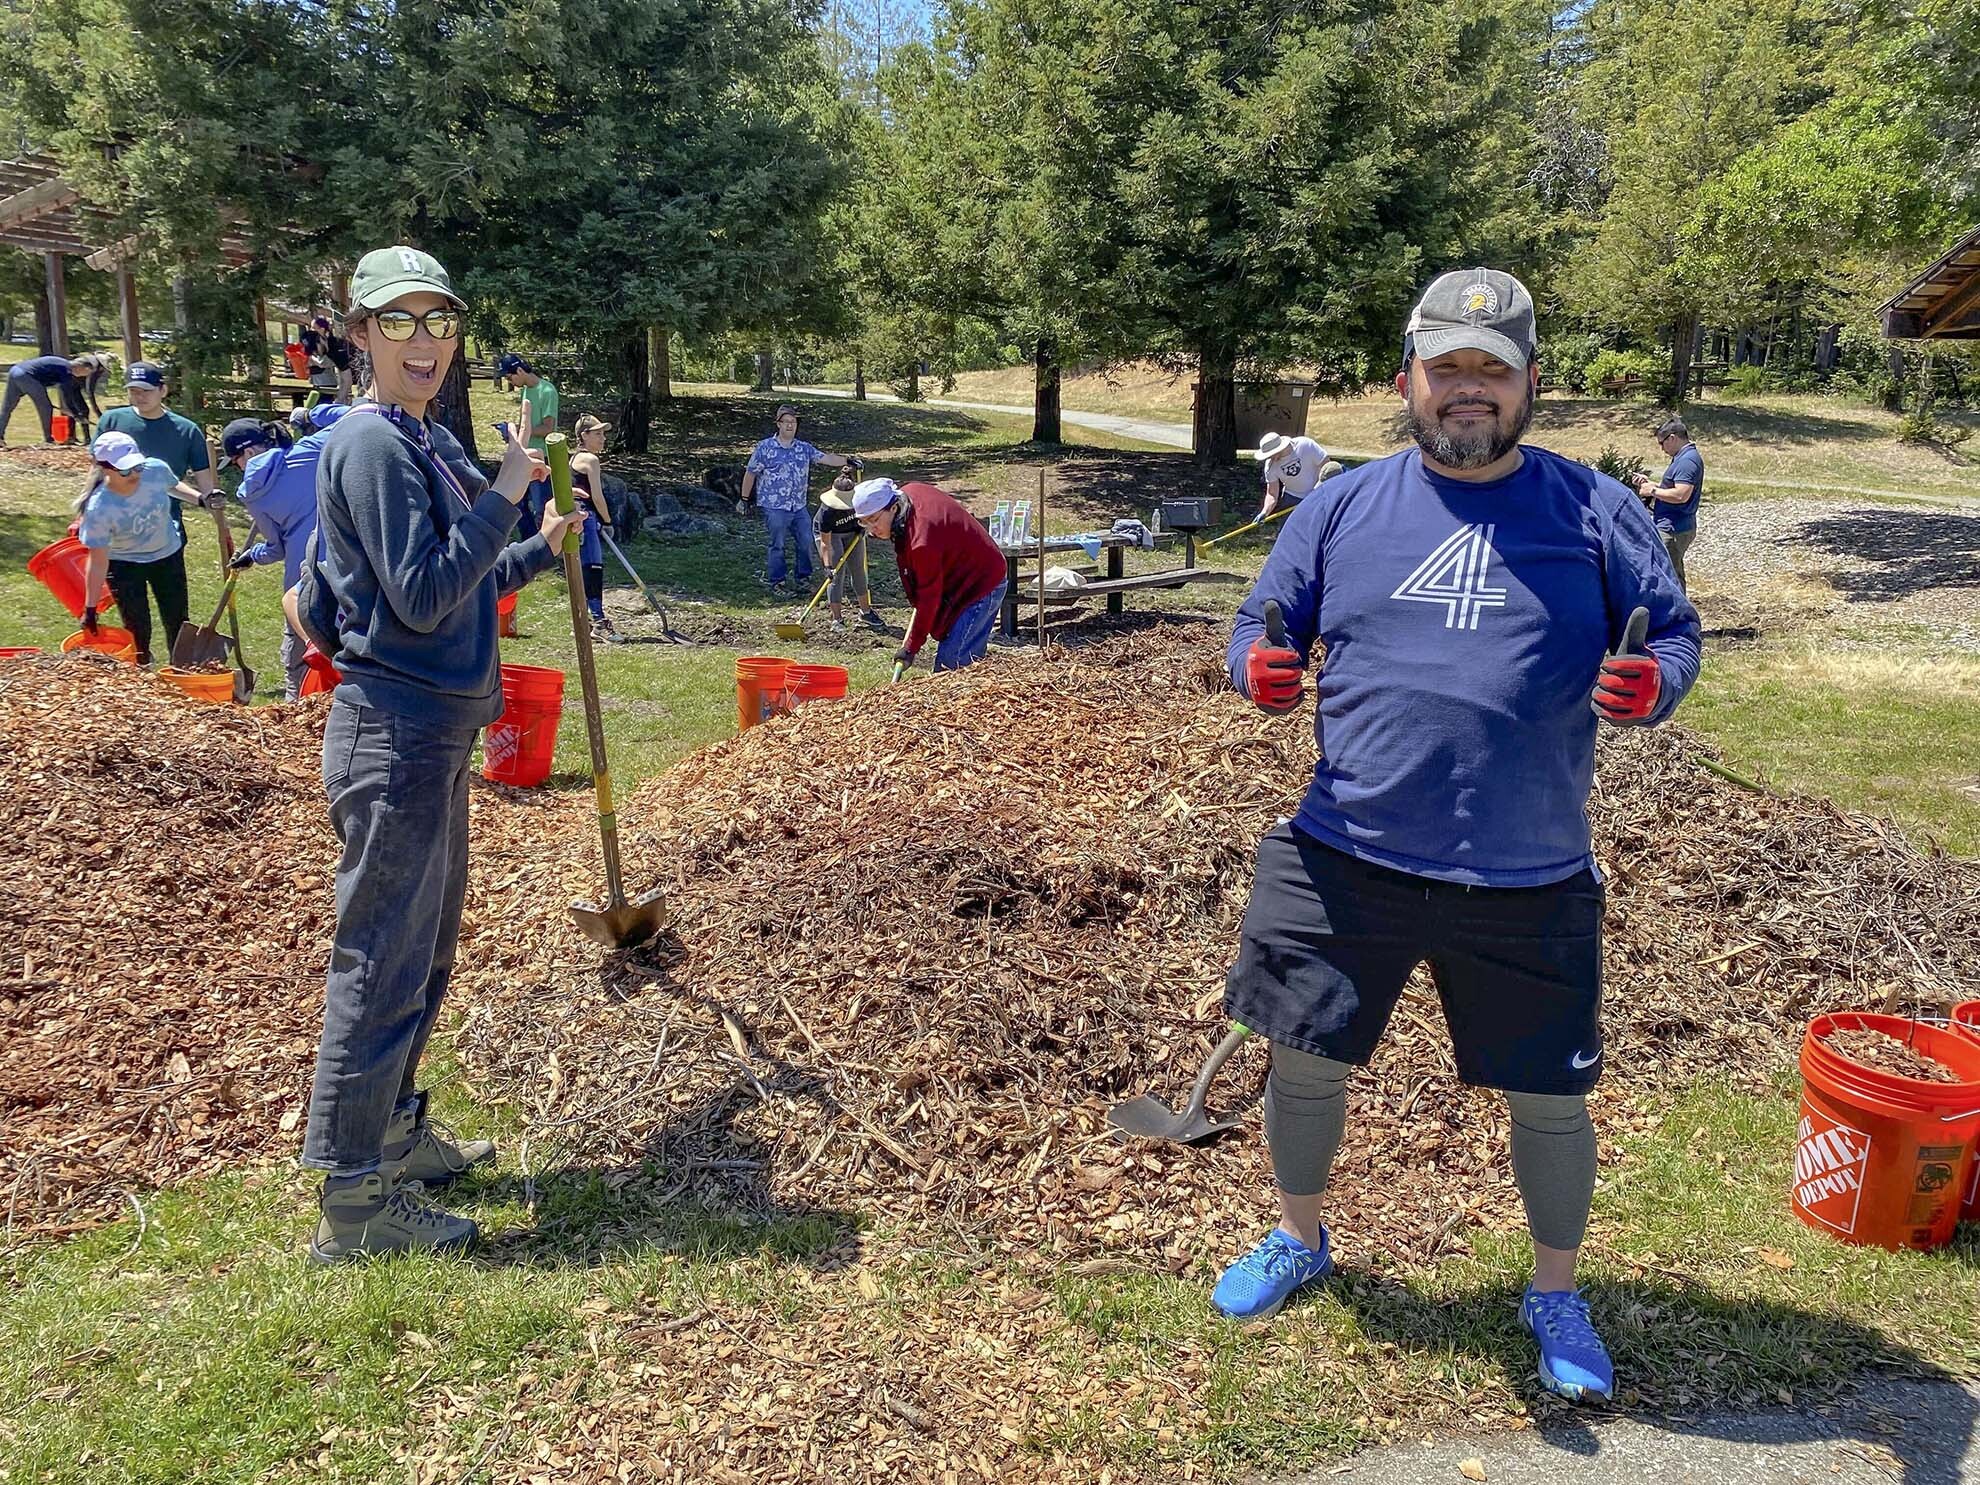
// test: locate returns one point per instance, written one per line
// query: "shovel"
(794, 629)
(204, 644)
(618, 924)
(666, 629)
(243, 674)
(1148, 1118)
(1279, 514)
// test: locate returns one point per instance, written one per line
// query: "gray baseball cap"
(385, 273)
(1479, 309)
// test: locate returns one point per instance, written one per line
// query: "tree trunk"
(1214, 426)
(44, 324)
(859, 378)
(660, 362)
(1045, 425)
(766, 371)
(635, 375)
(1684, 335)
(913, 393)
(451, 406)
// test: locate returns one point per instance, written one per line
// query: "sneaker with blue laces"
(1258, 1285)
(1573, 1360)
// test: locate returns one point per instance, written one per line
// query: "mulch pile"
(925, 937)
(74, 459)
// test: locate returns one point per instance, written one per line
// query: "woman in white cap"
(1293, 467)
(413, 552)
(588, 486)
(126, 523)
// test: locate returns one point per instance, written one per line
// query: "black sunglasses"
(399, 324)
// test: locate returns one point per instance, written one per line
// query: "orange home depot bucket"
(18, 652)
(1966, 1018)
(804, 683)
(59, 568)
(1878, 1158)
(200, 685)
(505, 614)
(759, 689)
(109, 640)
(517, 747)
(298, 360)
(60, 428)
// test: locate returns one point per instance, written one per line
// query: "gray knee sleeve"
(1553, 1160)
(1305, 1113)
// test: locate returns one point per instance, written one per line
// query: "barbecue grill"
(1189, 516)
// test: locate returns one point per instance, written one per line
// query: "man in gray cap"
(1478, 604)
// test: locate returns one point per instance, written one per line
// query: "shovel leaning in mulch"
(200, 645)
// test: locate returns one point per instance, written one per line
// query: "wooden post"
(659, 365)
(259, 371)
(58, 303)
(128, 310)
(1041, 559)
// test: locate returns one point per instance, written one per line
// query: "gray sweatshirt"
(420, 625)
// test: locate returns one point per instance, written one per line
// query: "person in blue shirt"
(125, 520)
(167, 435)
(778, 479)
(1475, 606)
(278, 487)
(72, 378)
(1673, 500)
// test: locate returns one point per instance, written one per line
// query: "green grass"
(205, 1348)
(1874, 729)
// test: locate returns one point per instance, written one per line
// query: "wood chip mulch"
(1885, 1053)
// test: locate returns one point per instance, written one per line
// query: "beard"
(1467, 448)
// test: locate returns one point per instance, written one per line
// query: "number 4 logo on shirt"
(1454, 575)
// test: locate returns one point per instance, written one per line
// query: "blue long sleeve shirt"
(278, 487)
(416, 571)
(1463, 626)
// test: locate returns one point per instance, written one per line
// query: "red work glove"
(1628, 685)
(1273, 671)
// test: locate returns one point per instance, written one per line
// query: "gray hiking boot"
(417, 1149)
(367, 1217)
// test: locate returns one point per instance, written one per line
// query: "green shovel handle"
(558, 450)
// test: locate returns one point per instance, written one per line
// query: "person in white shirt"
(1293, 468)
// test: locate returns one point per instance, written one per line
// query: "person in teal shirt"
(539, 395)
(176, 441)
(125, 521)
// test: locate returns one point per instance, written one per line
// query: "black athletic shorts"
(1329, 940)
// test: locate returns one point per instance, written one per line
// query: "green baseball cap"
(385, 273)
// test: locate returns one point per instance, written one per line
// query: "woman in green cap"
(413, 553)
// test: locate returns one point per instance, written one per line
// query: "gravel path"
(1829, 560)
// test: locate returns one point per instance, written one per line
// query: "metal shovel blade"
(622, 924)
(244, 683)
(1148, 1118)
(789, 629)
(198, 645)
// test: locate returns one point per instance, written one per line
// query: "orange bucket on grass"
(804, 683)
(1879, 1158)
(505, 615)
(759, 689)
(518, 745)
(320, 674)
(18, 652)
(1966, 1018)
(61, 428)
(201, 685)
(118, 644)
(59, 567)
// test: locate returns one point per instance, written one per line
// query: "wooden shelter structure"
(1943, 302)
(42, 213)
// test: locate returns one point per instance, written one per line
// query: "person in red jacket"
(951, 571)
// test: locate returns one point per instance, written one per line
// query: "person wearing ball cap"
(413, 550)
(951, 571)
(124, 520)
(1293, 467)
(1476, 607)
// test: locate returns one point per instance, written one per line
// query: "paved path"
(1169, 435)
(1888, 1433)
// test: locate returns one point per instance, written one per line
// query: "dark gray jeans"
(398, 800)
(19, 386)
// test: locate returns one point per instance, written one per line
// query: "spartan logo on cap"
(409, 260)
(1828, 1170)
(1480, 299)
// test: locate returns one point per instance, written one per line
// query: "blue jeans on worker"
(790, 525)
(969, 636)
(398, 789)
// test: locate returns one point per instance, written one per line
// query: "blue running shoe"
(1257, 1286)
(1573, 1360)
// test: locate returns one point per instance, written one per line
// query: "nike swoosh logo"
(1579, 1061)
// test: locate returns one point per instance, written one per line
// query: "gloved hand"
(742, 507)
(89, 620)
(1628, 685)
(1273, 673)
(853, 461)
(214, 500)
(903, 661)
(241, 563)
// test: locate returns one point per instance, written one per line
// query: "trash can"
(1268, 407)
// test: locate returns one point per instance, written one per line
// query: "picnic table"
(1021, 572)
